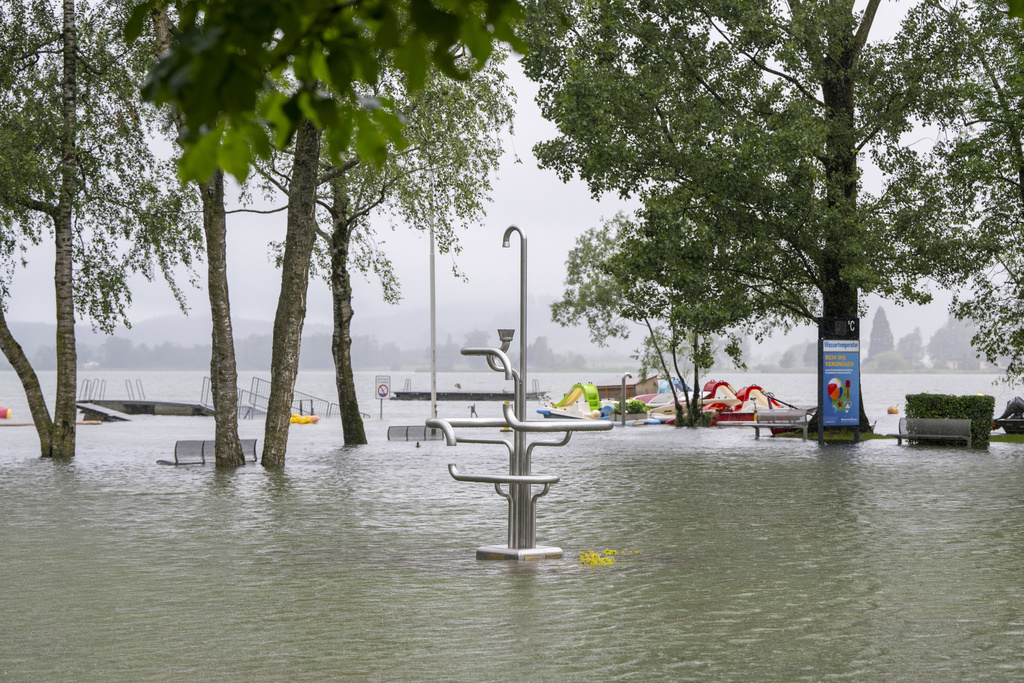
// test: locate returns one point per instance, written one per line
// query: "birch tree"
(75, 165)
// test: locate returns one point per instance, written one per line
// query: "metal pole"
(521, 493)
(433, 308)
(622, 405)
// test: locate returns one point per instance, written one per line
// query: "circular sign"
(383, 390)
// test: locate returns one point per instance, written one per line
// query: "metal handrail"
(506, 364)
(502, 478)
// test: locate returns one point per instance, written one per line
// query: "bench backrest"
(414, 433)
(195, 452)
(935, 426)
(782, 416)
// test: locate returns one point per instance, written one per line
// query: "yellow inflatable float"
(304, 419)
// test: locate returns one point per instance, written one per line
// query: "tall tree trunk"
(223, 369)
(223, 372)
(291, 304)
(839, 297)
(34, 393)
(341, 344)
(62, 440)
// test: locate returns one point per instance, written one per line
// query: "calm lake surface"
(757, 559)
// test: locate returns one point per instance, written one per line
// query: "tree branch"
(278, 210)
(861, 38)
(336, 171)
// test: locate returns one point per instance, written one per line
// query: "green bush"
(979, 409)
(633, 407)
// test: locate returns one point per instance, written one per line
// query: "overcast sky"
(552, 215)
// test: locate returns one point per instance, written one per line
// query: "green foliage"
(131, 214)
(978, 409)
(633, 407)
(592, 295)
(740, 126)
(611, 281)
(980, 152)
(227, 51)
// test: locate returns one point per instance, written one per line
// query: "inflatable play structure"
(581, 402)
(720, 398)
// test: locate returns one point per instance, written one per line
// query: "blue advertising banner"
(841, 382)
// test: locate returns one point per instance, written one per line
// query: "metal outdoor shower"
(520, 480)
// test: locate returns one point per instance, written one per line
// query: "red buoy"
(5, 413)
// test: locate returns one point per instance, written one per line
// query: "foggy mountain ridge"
(407, 332)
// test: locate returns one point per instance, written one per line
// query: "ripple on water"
(758, 560)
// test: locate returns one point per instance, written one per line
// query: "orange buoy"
(5, 413)
(893, 410)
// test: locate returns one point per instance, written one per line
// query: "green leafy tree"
(76, 163)
(609, 286)
(981, 155)
(216, 72)
(881, 334)
(741, 126)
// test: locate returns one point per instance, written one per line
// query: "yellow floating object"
(893, 410)
(304, 419)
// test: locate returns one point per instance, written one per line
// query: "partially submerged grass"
(1006, 438)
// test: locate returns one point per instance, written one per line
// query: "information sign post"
(838, 375)
(383, 384)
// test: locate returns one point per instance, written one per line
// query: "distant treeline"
(253, 353)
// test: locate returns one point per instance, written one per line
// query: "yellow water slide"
(588, 391)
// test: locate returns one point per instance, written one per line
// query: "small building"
(610, 386)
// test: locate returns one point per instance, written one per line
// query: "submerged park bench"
(195, 452)
(798, 420)
(933, 429)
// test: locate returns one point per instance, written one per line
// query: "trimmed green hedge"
(979, 409)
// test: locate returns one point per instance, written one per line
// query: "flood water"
(757, 559)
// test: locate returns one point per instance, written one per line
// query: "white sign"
(383, 384)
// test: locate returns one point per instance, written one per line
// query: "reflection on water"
(763, 559)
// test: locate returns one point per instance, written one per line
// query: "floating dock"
(122, 409)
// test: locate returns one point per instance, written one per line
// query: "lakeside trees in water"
(76, 164)
(743, 127)
(438, 181)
